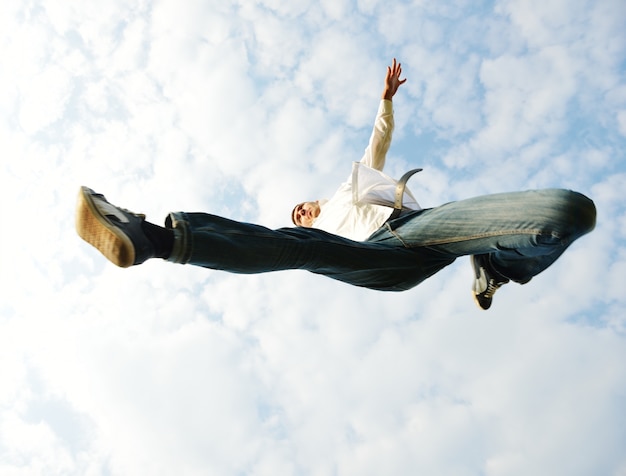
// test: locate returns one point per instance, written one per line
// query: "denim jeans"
(523, 232)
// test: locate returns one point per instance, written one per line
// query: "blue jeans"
(523, 232)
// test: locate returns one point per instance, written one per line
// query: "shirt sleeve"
(376, 151)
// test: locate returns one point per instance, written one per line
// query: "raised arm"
(376, 151)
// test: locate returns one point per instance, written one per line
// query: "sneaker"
(486, 281)
(115, 232)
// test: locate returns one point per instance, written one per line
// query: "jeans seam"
(473, 237)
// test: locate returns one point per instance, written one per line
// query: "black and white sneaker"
(486, 281)
(115, 232)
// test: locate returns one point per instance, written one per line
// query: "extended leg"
(219, 243)
(126, 239)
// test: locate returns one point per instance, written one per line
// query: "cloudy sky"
(243, 108)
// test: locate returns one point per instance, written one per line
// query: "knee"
(580, 211)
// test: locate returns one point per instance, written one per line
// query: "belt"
(397, 204)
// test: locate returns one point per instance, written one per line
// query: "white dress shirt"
(365, 201)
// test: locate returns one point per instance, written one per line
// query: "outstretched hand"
(392, 80)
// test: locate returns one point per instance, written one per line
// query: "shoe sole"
(96, 230)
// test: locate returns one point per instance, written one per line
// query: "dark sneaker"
(115, 232)
(486, 281)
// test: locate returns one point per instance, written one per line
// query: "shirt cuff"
(385, 107)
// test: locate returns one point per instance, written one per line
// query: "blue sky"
(242, 109)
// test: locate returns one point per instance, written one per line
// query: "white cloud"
(621, 120)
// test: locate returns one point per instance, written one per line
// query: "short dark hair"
(293, 214)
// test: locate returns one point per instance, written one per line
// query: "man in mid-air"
(371, 233)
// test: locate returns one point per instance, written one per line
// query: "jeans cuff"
(181, 251)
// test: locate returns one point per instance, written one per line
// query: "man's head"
(305, 213)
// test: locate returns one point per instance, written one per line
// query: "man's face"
(305, 213)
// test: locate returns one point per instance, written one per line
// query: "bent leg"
(523, 232)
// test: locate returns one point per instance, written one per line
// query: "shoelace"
(492, 287)
(141, 216)
(125, 210)
(138, 215)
